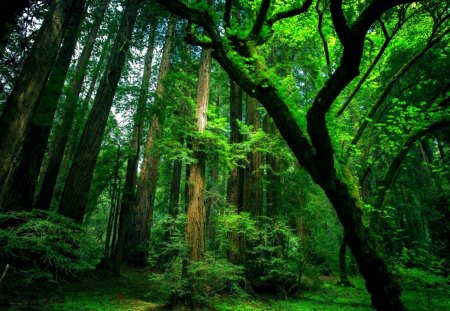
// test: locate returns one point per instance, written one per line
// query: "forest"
(224, 155)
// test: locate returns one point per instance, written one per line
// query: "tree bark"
(235, 180)
(75, 195)
(145, 197)
(252, 197)
(273, 173)
(31, 155)
(58, 144)
(196, 210)
(234, 190)
(20, 107)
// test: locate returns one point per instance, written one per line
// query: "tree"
(145, 197)
(238, 55)
(24, 178)
(196, 210)
(58, 144)
(20, 107)
(76, 190)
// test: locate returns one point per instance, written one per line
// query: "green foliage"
(42, 248)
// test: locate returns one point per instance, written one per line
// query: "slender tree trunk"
(135, 146)
(75, 195)
(145, 196)
(10, 11)
(234, 191)
(273, 173)
(196, 211)
(235, 181)
(344, 281)
(58, 144)
(20, 107)
(175, 186)
(252, 197)
(24, 178)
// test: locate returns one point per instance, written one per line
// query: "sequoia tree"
(21, 105)
(76, 190)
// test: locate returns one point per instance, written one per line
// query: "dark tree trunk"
(252, 197)
(135, 147)
(235, 181)
(344, 281)
(175, 186)
(196, 210)
(21, 105)
(32, 153)
(234, 191)
(10, 11)
(58, 144)
(142, 212)
(75, 195)
(273, 191)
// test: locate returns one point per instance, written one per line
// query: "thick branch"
(339, 22)
(227, 14)
(289, 13)
(260, 18)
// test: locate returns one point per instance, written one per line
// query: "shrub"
(42, 249)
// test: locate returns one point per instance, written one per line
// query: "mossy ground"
(131, 292)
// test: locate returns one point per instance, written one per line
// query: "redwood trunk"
(196, 211)
(20, 107)
(75, 195)
(142, 212)
(30, 158)
(273, 191)
(58, 144)
(135, 146)
(252, 197)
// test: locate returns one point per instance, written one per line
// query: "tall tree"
(145, 196)
(21, 105)
(59, 142)
(135, 147)
(24, 178)
(196, 211)
(252, 198)
(76, 190)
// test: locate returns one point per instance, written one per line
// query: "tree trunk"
(344, 281)
(20, 107)
(75, 195)
(235, 181)
(273, 173)
(142, 212)
(234, 191)
(59, 142)
(196, 211)
(31, 155)
(135, 148)
(175, 186)
(10, 11)
(252, 197)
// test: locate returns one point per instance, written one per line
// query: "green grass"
(131, 292)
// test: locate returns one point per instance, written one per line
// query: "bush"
(42, 249)
(202, 280)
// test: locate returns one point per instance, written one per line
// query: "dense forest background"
(229, 155)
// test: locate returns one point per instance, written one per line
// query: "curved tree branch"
(289, 13)
(396, 163)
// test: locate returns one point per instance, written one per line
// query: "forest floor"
(132, 291)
